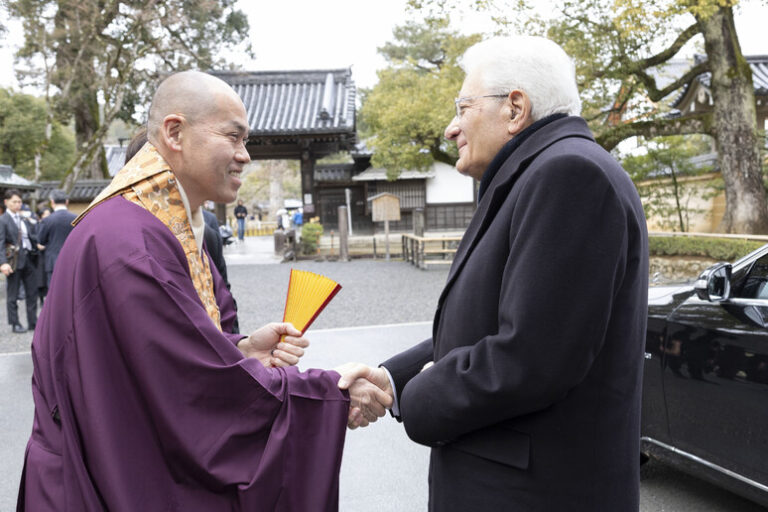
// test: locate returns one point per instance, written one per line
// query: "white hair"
(534, 65)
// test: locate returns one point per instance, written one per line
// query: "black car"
(705, 389)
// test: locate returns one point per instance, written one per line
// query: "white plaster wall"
(448, 186)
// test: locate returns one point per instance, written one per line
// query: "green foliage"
(663, 179)
(22, 133)
(623, 51)
(87, 54)
(341, 157)
(722, 249)
(405, 114)
(310, 237)
(258, 176)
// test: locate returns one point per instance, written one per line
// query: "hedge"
(721, 249)
(310, 237)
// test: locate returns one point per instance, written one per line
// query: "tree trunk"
(735, 127)
(92, 149)
(87, 123)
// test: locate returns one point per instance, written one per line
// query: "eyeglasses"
(459, 112)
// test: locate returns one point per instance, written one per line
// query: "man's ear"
(171, 131)
(519, 105)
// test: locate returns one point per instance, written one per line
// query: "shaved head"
(192, 94)
(199, 125)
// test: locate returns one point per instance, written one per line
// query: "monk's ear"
(171, 131)
(519, 105)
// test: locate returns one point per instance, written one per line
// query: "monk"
(144, 400)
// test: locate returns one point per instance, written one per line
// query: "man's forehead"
(471, 86)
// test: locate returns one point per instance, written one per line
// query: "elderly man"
(529, 389)
(143, 398)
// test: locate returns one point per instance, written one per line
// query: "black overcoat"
(52, 232)
(533, 403)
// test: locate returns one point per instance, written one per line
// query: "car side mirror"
(714, 284)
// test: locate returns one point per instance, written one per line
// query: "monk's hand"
(265, 345)
(370, 393)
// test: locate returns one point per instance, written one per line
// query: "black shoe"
(19, 329)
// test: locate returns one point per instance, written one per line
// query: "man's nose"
(452, 130)
(242, 154)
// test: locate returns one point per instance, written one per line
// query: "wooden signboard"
(385, 207)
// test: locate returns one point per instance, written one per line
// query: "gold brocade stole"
(147, 181)
(161, 197)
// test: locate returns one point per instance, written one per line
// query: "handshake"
(370, 393)
(281, 344)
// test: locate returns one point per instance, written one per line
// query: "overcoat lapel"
(500, 188)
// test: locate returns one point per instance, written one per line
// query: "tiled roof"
(333, 172)
(83, 190)
(296, 102)
(9, 179)
(758, 64)
(115, 158)
(379, 174)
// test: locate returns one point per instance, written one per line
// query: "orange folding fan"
(308, 294)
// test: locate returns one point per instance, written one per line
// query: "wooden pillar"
(343, 234)
(308, 184)
(418, 221)
(386, 237)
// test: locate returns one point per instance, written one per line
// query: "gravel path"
(374, 292)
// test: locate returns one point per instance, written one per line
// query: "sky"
(312, 34)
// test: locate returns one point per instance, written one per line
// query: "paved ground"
(381, 467)
(373, 291)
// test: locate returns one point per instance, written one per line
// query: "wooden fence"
(433, 250)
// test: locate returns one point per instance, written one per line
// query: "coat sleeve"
(3, 240)
(220, 419)
(405, 365)
(43, 231)
(567, 251)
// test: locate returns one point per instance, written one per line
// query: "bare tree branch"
(663, 56)
(699, 123)
(658, 94)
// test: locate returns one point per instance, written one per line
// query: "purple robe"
(142, 404)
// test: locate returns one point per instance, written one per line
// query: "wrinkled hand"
(265, 345)
(370, 393)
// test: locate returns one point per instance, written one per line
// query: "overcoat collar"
(502, 184)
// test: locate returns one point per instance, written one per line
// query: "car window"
(756, 284)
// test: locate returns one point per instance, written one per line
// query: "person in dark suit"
(53, 231)
(42, 283)
(18, 235)
(529, 390)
